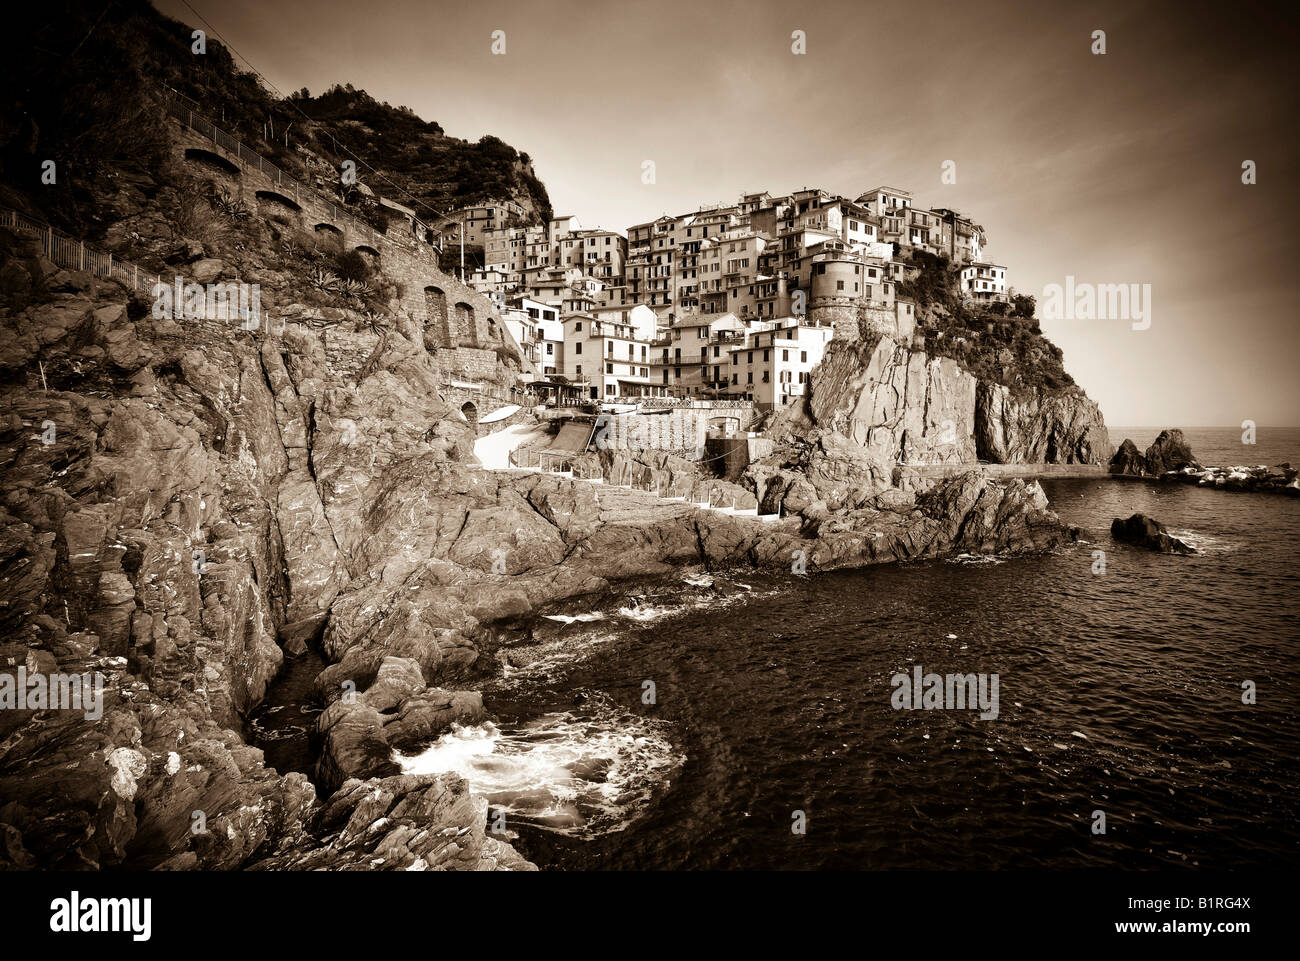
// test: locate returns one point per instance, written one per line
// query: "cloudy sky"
(1117, 168)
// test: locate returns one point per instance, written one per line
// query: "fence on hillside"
(75, 254)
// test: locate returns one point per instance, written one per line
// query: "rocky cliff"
(1039, 426)
(902, 405)
(187, 504)
(896, 403)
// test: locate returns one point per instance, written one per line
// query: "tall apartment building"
(608, 357)
(964, 238)
(691, 358)
(773, 365)
(729, 274)
(522, 318)
(478, 220)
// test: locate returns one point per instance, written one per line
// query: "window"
(749, 377)
(767, 354)
(803, 356)
(577, 348)
(579, 369)
(839, 285)
(550, 349)
(785, 354)
(577, 326)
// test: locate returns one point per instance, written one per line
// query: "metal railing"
(74, 254)
(181, 108)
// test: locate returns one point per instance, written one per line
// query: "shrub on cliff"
(87, 84)
(352, 265)
(979, 336)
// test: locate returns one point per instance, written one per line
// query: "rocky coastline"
(1169, 459)
(185, 503)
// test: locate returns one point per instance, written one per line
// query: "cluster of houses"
(725, 302)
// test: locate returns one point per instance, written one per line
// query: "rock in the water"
(1169, 452)
(1143, 531)
(1128, 460)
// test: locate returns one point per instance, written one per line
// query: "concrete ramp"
(573, 438)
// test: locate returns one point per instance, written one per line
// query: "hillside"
(88, 84)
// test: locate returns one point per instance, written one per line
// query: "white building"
(607, 357)
(772, 367)
(984, 282)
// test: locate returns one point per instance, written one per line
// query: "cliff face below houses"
(187, 504)
(893, 403)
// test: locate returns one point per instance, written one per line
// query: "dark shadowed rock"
(1143, 531)
(1169, 452)
(1128, 460)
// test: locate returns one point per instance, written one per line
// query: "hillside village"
(736, 300)
(347, 450)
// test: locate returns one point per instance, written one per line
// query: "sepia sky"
(1122, 168)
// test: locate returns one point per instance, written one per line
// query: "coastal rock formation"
(1143, 531)
(164, 531)
(1037, 425)
(904, 407)
(1282, 479)
(1128, 460)
(1168, 452)
(402, 823)
(1170, 459)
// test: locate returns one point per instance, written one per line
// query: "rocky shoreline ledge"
(184, 504)
(1169, 459)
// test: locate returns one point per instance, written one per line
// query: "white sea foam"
(976, 559)
(647, 612)
(582, 774)
(570, 618)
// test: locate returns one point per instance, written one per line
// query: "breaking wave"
(582, 773)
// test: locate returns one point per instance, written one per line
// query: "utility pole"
(462, 250)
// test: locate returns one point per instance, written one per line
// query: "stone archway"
(437, 331)
(465, 323)
(275, 198)
(212, 159)
(471, 415)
